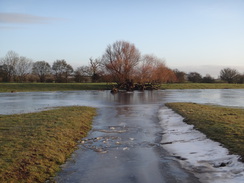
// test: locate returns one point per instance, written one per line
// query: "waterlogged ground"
(135, 138)
(205, 158)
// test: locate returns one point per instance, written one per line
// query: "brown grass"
(34, 145)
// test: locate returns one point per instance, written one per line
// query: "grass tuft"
(34, 145)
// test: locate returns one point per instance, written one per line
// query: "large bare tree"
(120, 60)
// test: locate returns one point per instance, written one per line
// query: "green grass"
(27, 87)
(32, 87)
(202, 86)
(34, 145)
(222, 124)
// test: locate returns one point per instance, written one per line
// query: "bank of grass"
(222, 124)
(34, 145)
(32, 87)
(202, 86)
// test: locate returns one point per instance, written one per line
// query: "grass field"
(34, 145)
(222, 124)
(202, 86)
(27, 87)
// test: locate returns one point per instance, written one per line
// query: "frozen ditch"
(209, 161)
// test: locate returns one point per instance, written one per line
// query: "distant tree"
(194, 77)
(229, 75)
(95, 67)
(81, 73)
(9, 63)
(2, 72)
(180, 76)
(208, 79)
(69, 70)
(15, 67)
(23, 68)
(240, 78)
(120, 60)
(61, 70)
(42, 69)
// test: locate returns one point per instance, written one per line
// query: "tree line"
(121, 62)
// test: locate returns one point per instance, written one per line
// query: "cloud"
(19, 18)
(9, 28)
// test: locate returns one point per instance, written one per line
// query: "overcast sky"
(191, 35)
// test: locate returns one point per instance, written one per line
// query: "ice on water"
(208, 160)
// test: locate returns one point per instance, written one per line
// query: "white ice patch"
(209, 161)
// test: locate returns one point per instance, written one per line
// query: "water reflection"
(36, 101)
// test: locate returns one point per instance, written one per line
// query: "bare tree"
(23, 68)
(41, 69)
(153, 71)
(9, 63)
(61, 70)
(81, 73)
(229, 75)
(95, 67)
(15, 67)
(69, 70)
(120, 60)
(144, 71)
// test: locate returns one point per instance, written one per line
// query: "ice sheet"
(208, 160)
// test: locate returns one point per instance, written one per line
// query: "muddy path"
(124, 146)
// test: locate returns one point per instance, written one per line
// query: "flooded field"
(126, 142)
(24, 102)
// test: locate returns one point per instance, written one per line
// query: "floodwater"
(127, 142)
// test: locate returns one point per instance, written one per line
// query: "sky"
(191, 35)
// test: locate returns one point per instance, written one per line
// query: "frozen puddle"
(209, 161)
